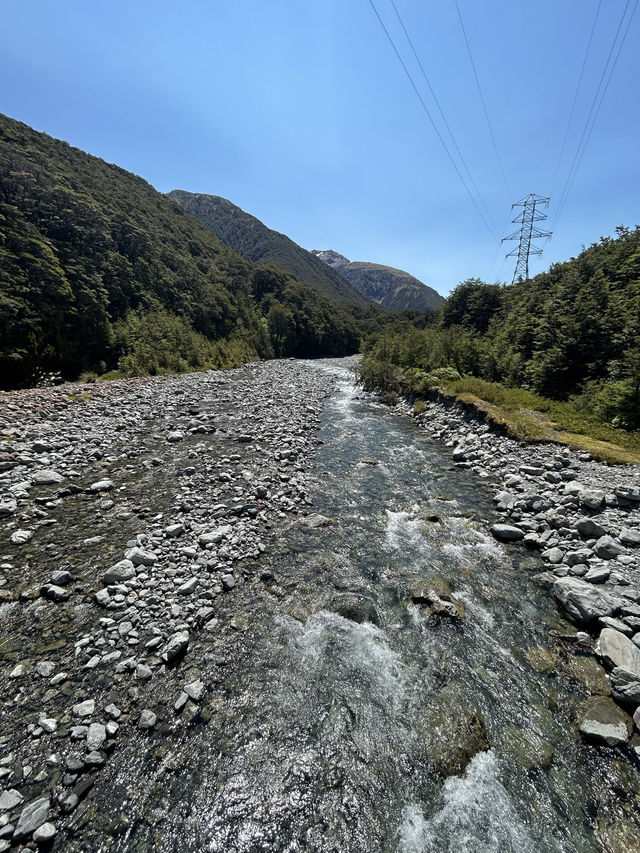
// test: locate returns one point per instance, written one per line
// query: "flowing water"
(338, 704)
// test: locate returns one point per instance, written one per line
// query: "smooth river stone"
(616, 649)
(583, 602)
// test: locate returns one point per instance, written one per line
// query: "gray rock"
(21, 537)
(617, 650)
(101, 486)
(45, 668)
(174, 530)
(583, 602)
(194, 690)
(44, 835)
(505, 500)
(188, 587)
(32, 816)
(507, 532)
(60, 577)
(55, 593)
(143, 672)
(8, 505)
(119, 573)
(46, 478)
(629, 536)
(553, 555)
(9, 799)
(84, 709)
(102, 597)
(214, 537)
(604, 722)
(607, 548)
(177, 646)
(140, 557)
(591, 498)
(174, 437)
(574, 558)
(599, 574)
(96, 736)
(628, 493)
(589, 528)
(147, 720)
(625, 685)
(228, 581)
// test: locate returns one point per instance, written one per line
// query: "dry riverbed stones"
(130, 512)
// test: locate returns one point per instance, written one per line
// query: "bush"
(379, 376)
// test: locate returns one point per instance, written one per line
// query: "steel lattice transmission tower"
(527, 232)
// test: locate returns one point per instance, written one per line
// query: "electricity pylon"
(526, 233)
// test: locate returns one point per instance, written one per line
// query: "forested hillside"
(571, 332)
(99, 271)
(252, 239)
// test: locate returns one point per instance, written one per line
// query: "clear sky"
(299, 112)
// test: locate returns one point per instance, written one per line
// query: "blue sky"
(299, 112)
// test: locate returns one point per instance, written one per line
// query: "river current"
(340, 704)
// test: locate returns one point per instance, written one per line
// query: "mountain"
(389, 287)
(252, 239)
(99, 271)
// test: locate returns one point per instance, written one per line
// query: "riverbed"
(320, 704)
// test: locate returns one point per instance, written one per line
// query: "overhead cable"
(442, 115)
(433, 124)
(484, 105)
(595, 109)
(575, 99)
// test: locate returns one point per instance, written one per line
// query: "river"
(341, 707)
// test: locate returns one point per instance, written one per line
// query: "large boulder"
(603, 722)
(625, 685)
(583, 602)
(507, 532)
(607, 548)
(119, 573)
(617, 650)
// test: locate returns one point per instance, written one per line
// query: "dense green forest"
(100, 272)
(252, 239)
(570, 333)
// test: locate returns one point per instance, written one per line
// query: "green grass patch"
(530, 417)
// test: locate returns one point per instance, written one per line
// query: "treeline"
(100, 272)
(572, 332)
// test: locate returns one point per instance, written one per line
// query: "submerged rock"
(355, 608)
(436, 596)
(457, 739)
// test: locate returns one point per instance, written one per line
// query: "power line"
(589, 124)
(484, 106)
(575, 98)
(442, 115)
(433, 124)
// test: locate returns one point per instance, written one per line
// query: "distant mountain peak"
(392, 288)
(334, 259)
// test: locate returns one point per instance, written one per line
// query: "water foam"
(330, 639)
(402, 529)
(477, 816)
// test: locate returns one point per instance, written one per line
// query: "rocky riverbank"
(583, 517)
(131, 513)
